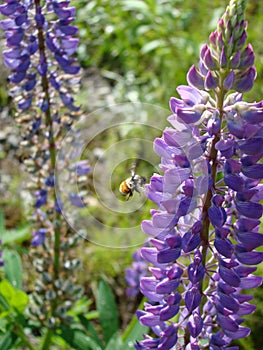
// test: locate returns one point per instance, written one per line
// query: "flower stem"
(207, 203)
(20, 332)
(52, 152)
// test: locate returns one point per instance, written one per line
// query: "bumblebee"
(133, 183)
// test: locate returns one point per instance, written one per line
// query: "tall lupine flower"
(206, 230)
(41, 43)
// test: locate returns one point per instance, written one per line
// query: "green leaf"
(16, 299)
(90, 329)
(78, 339)
(13, 267)
(134, 332)
(108, 313)
(114, 343)
(16, 236)
(7, 340)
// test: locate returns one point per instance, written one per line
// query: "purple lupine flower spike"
(40, 55)
(205, 233)
(35, 43)
(135, 273)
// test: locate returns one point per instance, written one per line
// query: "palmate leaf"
(108, 313)
(12, 299)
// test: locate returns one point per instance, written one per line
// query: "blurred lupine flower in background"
(205, 233)
(134, 274)
(40, 54)
(39, 47)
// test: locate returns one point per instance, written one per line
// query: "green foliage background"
(149, 45)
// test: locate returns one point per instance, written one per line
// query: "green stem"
(47, 340)
(20, 332)
(52, 151)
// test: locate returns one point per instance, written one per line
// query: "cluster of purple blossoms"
(205, 232)
(40, 54)
(134, 274)
(40, 45)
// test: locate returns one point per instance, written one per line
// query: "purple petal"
(210, 81)
(8, 9)
(235, 60)
(195, 324)
(246, 309)
(190, 95)
(250, 282)
(235, 182)
(217, 216)
(250, 258)
(242, 332)
(190, 241)
(229, 276)
(68, 30)
(168, 255)
(77, 200)
(229, 80)
(246, 224)
(192, 299)
(190, 115)
(166, 286)
(194, 78)
(249, 209)
(254, 171)
(150, 255)
(169, 312)
(150, 229)
(209, 60)
(169, 339)
(176, 138)
(38, 237)
(224, 247)
(250, 240)
(247, 81)
(252, 115)
(227, 323)
(164, 220)
(149, 320)
(196, 273)
(162, 149)
(25, 103)
(252, 146)
(228, 302)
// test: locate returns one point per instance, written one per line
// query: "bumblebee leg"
(129, 195)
